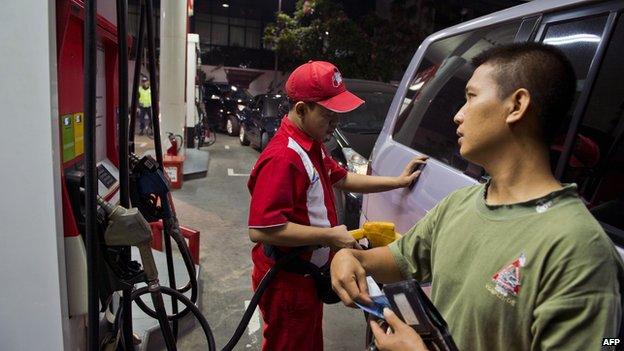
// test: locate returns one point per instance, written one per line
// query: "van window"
(436, 92)
(369, 117)
(596, 163)
(272, 107)
(578, 39)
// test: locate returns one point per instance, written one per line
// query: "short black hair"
(543, 70)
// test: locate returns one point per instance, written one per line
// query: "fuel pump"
(95, 160)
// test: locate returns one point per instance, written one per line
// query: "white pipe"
(172, 68)
(191, 72)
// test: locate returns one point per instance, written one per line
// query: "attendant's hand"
(402, 337)
(409, 174)
(340, 238)
(349, 279)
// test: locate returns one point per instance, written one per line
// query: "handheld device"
(411, 304)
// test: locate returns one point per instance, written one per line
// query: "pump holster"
(321, 275)
(148, 184)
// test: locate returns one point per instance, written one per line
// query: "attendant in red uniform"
(292, 203)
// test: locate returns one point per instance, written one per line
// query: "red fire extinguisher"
(176, 144)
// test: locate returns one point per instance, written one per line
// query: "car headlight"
(240, 107)
(356, 163)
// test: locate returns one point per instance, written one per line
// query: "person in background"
(145, 106)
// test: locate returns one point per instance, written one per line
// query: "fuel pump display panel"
(105, 176)
(108, 181)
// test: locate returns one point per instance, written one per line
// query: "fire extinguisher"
(176, 141)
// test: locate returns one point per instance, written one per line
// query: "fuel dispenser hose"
(191, 285)
(242, 325)
(151, 172)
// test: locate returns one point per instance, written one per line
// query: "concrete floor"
(218, 206)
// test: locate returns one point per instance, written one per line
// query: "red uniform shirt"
(292, 182)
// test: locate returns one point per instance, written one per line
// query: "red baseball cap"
(321, 82)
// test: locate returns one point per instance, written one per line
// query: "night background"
(366, 39)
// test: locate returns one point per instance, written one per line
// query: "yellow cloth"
(145, 97)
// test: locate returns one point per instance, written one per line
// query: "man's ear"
(301, 108)
(518, 103)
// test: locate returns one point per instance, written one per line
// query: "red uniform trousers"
(291, 310)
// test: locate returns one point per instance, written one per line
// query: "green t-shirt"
(538, 275)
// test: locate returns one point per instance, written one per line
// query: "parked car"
(262, 119)
(223, 104)
(420, 119)
(353, 140)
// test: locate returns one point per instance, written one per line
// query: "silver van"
(589, 151)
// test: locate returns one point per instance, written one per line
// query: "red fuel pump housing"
(70, 71)
(70, 22)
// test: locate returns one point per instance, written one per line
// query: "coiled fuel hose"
(242, 325)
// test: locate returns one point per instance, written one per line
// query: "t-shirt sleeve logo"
(507, 280)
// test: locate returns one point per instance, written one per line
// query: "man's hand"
(340, 238)
(349, 279)
(410, 173)
(403, 337)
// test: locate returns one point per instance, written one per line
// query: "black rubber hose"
(151, 51)
(264, 283)
(137, 76)
(176, 234)
(151, 47)
(192, 284)
(242, 325)
(172, 227)
(122, 48)
(159, 306)
(124, 172)
(168, 225)
(189, 305)
(166, 201)
(92, 243)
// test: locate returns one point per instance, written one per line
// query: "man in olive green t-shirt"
(518, 263)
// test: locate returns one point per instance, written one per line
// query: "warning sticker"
(172, 173)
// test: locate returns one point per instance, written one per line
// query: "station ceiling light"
(225, 4)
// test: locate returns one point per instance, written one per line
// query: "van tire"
(242, 136)
(232, 126)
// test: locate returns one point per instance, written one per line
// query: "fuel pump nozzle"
(378, 233)
(127, 227)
